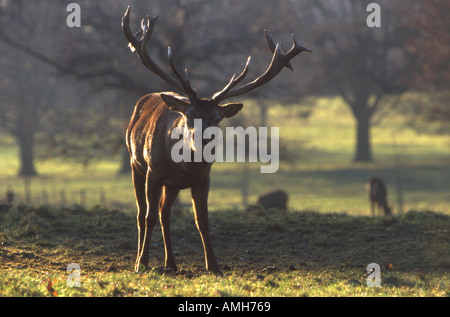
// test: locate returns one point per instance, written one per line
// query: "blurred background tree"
(27, 85)
(362, 64)
(431, 45)
(73, 89)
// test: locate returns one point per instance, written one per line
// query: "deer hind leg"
(386, 209)
(152, 195)
(168, 197)
(141, 202)
(200, 204)
(380, 209)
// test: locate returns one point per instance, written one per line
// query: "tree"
(50, 82)
(362, 64)
(27, 86)
(431, 44)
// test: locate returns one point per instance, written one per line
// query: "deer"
(377, 192)
(274, 199)
(157, 179)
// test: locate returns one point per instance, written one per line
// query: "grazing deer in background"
(377, 191)
(274, 199)
(157, 178)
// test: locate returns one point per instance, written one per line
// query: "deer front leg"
(200, 203)
(153, 194)
(168, 197)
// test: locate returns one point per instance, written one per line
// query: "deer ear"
(175, 102)
(230, 109)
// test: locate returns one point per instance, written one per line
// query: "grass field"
(320, 247)
(262, 253)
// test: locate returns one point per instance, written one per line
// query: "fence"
(53, 196)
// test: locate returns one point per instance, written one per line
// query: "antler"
(139, 47)
(280, 59)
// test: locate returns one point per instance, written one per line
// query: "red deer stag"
(157, 178)
(377, 191)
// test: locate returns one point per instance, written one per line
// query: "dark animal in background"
(377, 191)
(157, 178)
(274, 199)
(10, 196)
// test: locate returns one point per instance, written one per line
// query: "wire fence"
(61, 197)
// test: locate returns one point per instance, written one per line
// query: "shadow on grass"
(46, 238)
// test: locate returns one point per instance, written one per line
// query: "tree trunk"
(363, 148)
(263, 113)
(26, 144)
(125, 167)
(245, 180)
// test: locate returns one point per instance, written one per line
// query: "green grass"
(262, 254)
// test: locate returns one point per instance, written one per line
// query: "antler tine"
(272, 46)
(295, 44)
(192, 93)
(139, 46)
(147, 31)
(280, 59)
(136, 35)
(273, 69)
(227, 88)
(150, 26)
(233, 82)
(133, 42)
(187, 80)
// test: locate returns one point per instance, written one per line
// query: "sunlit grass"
(294, 284)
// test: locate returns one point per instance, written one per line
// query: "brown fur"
(377, 191)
